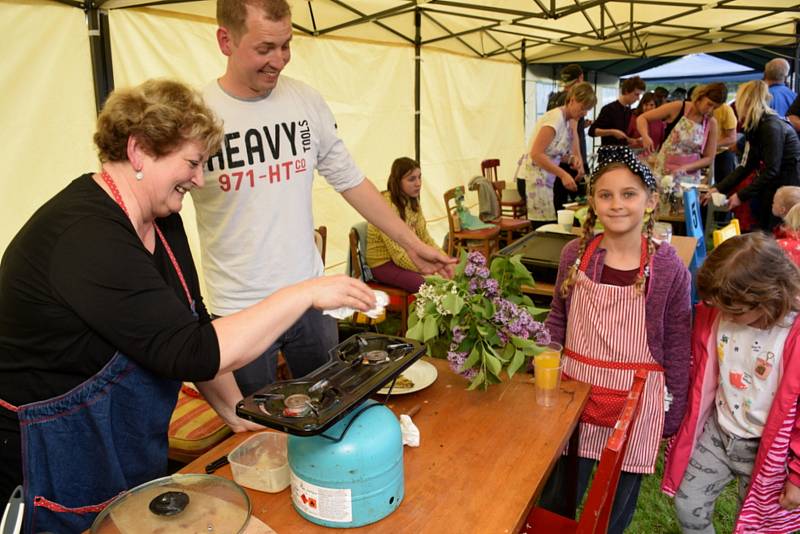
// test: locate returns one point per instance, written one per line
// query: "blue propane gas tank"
(355, 481)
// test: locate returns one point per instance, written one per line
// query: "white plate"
(553, 227)
(422, 373)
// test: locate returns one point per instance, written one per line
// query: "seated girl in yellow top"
(388, 260)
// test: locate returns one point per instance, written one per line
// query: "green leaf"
(508, 352)
(493, 364)
(516, 362)
(478, 382)
(483, 330)
(472, 359)
(522, 343)
(453, 303)
(412, 316)
(415, 331)
(430, 329)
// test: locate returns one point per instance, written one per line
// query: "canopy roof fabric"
(540, 31)
(694, 63)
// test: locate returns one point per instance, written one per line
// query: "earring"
(648, 210)
(139, 175)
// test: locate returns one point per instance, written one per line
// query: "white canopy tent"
(362, 55)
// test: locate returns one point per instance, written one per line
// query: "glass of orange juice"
(547, 374)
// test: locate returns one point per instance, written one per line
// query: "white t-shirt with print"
(254, 214)
(749, 374)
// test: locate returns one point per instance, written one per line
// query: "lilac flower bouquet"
(480, 319)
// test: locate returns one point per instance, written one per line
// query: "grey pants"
(717, 459)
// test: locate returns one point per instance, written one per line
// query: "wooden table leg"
(571, 493)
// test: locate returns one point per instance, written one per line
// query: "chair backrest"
(694, 228)
(321, 241)
(597, 509)
(489, 168)
(450, 208)
(357, 263)
(726, 232)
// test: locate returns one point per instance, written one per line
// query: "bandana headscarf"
(622, 154)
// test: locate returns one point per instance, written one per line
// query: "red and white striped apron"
(606, 343)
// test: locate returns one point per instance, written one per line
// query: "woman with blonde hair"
(555, 138)
(101, 316)
(690, 141)
(772, 152)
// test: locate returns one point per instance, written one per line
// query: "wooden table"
(482, 462)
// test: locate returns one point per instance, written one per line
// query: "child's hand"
(790, 496)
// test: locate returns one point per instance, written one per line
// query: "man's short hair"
(232, 14)
(630, 85)
(776, 70)
(571, 72)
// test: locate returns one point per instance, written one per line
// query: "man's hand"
(431, 260)
(733, 201)
(790, 496)
(619, 134)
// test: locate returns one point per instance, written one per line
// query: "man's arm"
(367, 201)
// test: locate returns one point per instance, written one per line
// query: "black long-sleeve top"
(774, 153)
(77, 284)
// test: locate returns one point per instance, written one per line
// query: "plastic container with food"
(261, 463)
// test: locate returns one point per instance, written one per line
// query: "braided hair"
(610, 158)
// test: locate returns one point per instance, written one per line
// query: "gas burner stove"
(306, 406)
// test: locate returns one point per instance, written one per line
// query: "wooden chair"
(485, 240)
(726, 232)
(597, 509)
(511, 204)
(399, 299)
(510, 227)
(321, 240)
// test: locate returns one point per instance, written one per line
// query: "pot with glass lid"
(178, 503)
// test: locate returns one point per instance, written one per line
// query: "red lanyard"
(118, 198)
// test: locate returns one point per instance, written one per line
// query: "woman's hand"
(431, 260)
(705, 197)
(733, 201)
(576, 163)
(568, 181)
(790, 496)
(331, 292)
(237, 424)
(648, 145)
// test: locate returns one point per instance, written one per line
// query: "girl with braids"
(741, 418)
(386, 258)
(621, 304)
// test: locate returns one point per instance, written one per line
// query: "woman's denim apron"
(83, 448)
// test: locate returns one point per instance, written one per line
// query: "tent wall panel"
(471, 110)
(47, 115)
(368, 87)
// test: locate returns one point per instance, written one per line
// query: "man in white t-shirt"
(254, 215)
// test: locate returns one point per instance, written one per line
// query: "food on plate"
(403, 382)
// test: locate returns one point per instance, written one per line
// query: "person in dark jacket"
(772, 152)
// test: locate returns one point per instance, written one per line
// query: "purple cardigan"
(668, 317)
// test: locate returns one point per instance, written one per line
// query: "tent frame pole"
(796, 65)
(417, 88)
(100, 49)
